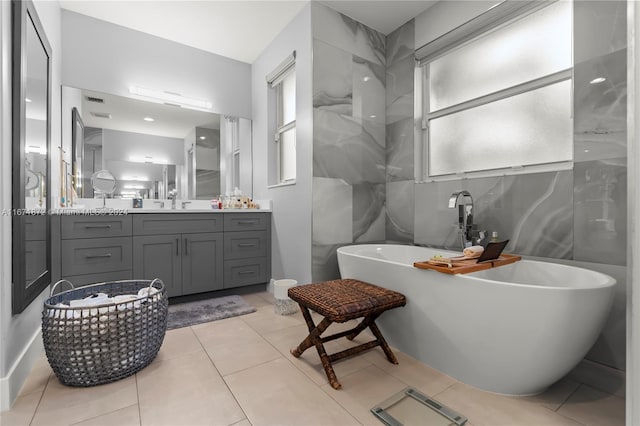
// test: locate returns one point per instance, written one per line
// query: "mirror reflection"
(35, 156)
(153, 150)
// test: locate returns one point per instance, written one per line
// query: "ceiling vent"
(101, 114)
(94, 99)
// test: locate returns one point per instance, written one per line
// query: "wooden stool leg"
(313, 339)
(383, 343)
(363, 325)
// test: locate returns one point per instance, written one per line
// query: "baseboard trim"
(11, 384)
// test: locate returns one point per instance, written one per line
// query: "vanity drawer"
(176, 223)
(241, 245)
(95, 226)
(241, 272)
(96, 255)
(246, 221)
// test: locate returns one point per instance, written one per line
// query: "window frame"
(282, 127)
(422, 173)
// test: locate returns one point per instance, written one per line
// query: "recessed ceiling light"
(586, 150)
(372, 116)
(597, 80)
(27, 100)
(366, 78)
(149, 119)
(202, 138)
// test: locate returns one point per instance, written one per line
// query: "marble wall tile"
(352, 36)
(600, 211)
(368, 90)
(332, 211)
(400, 155)
(400, 43)
(348, 148)
(400, 79)
(332, 78)
(324, 262)
(368, 212)
(400, 211)
(600, 110)
(534, 211)
(599, 28)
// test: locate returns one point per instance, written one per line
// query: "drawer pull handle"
(186, 247)
(177, 246)
(95, 256)
(246, 272)
(246, 245)
(97, 227)
(247, 222)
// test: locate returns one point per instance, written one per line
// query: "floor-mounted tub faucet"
(468, 234)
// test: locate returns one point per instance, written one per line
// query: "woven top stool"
(341, 301)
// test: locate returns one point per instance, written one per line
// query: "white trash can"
(284, 305)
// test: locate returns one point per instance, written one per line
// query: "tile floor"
(239, 372)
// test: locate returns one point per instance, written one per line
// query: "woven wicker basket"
(100, 344)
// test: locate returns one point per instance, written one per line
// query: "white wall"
(109, 58)
(128, 146)
(20, 342)
(291, 232)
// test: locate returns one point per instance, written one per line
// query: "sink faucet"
(173, 194)
(184, 204)
(469, 235)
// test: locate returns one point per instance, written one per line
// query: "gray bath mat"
(190, 313)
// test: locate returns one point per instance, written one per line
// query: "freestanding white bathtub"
(515, 329)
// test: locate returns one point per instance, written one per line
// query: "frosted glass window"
(535, 46)
(288, 155)
(534, 127)
(285, 119)
(288, 99)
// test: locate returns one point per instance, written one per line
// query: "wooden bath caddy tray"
(469, 265)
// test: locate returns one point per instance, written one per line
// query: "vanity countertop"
(117, 211)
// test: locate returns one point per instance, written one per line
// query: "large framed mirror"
(31, 185)
(155, 150)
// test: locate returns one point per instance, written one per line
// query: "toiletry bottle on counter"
(494, 237)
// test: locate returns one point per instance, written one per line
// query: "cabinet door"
(158, 256)
(202, 262)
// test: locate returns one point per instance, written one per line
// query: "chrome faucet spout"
(465, 216)
(453, 200)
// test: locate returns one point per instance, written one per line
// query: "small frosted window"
(530, 128)
(534, 46)
(288, 112)
(288, 155)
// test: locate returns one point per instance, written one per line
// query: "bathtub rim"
(608, 281)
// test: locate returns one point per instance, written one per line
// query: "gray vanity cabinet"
(246, 249)
(94, 248)
(185, 257)
(158, 256)
(190, 252)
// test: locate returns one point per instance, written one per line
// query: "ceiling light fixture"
(202, 138)
(597, 80)
(27, 100)
(366, 78)
(149, 119)
(170, 98)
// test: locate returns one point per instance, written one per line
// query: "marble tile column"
(349, 79)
